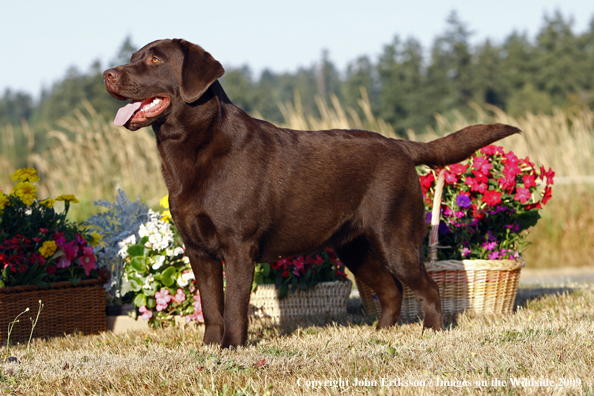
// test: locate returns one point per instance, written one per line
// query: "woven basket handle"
(434, 236)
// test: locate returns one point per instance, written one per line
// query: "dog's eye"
(156, 60)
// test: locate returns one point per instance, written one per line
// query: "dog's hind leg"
(398, 248)
(361, 261)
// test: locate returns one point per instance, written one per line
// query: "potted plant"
(157, 274)
(43, 256)
(314, 284)
(480, 212)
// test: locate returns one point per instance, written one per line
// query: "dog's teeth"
(156, 101)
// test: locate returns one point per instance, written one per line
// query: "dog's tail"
(458, 146)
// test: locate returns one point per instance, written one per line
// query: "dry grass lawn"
(547, 345)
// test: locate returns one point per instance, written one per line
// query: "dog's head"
(158, 74)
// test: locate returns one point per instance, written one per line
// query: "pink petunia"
(450, 178)
(163, 298)
(493, 256)
(88, 259)
(489, 245)
(507, 182)
(482, 164)
(146, 313)
(522, 195)
(69, 251)
(180, 296)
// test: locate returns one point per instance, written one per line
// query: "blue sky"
(40, 39)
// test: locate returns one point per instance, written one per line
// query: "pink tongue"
(126, 113)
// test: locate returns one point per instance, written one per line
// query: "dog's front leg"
(239, 273)
(209, 276)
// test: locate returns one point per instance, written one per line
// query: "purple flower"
(466, 252)
(490, 236)
(463, 201)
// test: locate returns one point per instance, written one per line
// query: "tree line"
(407, 84)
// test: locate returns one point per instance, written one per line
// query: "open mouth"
(139, 111)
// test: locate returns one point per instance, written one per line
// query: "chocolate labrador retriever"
(243, 191)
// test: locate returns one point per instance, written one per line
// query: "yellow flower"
(48, 248)
(67, 198)
(96, 238)
(3, 202)
(166, 216)
(26, 174)
(48, 203)
(26, 192)
(165, 201)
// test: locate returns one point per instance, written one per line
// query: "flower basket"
(479, 286)
(66, 308)
(327, 298)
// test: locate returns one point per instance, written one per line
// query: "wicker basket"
(327, 298)
(67, 308)
(479, 286)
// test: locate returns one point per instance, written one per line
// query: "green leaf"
(136, 250)
(140, 300)
(303, 284)
(167, 276)
(75, 280)
(266, 268)
(283, 291)
(140, 264)
(151, 302)
(126, 287)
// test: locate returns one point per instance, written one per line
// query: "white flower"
(178, 250)
(125, 244)
(185, 278)
(186, 260)
(158, 262)
(147, 282)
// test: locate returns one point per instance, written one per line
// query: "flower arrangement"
(158, 274)
(38, 246)
(300, 272)
(489, 203)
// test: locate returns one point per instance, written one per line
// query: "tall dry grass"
(90, 158)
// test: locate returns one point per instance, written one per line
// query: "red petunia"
(547, 195)
(477, 183)
(458, 169)
(492, 150)
(427, 182)
(491, 197)
(528, 180)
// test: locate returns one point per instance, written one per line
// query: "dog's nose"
(111, 74)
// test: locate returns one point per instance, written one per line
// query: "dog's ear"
(199, 71)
